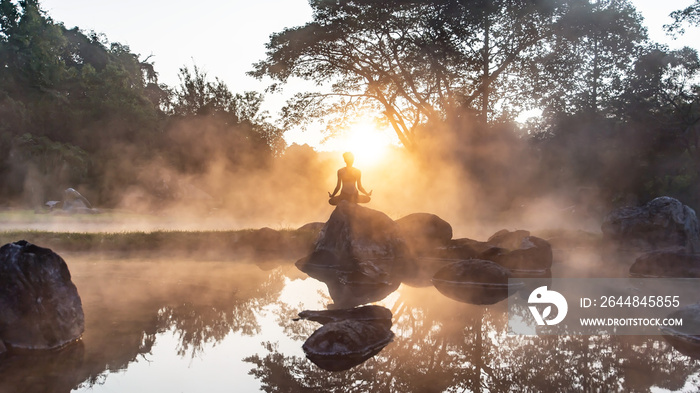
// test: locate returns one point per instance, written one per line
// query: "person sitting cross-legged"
(347, 178)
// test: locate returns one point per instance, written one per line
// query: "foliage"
(620, 113)
(594, 49)
(689, 15)
(423, 62)
(86, 100)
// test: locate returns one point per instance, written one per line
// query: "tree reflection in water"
(129, 303)
(442, 345)
(439, 344)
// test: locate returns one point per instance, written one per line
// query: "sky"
(225, 37)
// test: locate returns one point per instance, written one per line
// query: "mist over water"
(479, 184)
(194, 325)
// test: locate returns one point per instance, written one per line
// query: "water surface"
(164, 325)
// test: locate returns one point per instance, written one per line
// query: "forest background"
(618, 125)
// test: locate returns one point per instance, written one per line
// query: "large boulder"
(424, 232)
(674, 262)
(39, 305)
(355, 236)
(664, 222)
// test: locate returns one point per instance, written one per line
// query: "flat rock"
(364, 313)
(341, 345)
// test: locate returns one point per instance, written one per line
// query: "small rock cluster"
(364, 249)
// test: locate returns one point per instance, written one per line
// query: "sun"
(365, 140)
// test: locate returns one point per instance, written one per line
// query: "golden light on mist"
(368, 142)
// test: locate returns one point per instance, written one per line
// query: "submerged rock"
(369, 313)
(348, 337)
(664, 222)
(474, 281)
(39, 305)
(424, 232)
(674, 262)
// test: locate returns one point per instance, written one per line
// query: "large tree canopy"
(417, 61)
(414, 61)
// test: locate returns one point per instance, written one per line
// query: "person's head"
(349, 158)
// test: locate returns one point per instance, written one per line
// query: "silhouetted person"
(347, 177)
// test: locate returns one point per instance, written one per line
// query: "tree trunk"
(486, 77)
(595, 77)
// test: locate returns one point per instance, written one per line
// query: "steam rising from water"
(480, 182)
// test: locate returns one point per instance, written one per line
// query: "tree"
(199, 97)
(415, 62)
(689, 15)
(587, 68)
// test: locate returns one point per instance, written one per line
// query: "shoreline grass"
(168, 241)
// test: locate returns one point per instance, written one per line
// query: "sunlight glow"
(368, 142)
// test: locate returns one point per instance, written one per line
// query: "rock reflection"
(475, 281)
(352, 288)
(443, 345)
(685, 338)
(128, 304)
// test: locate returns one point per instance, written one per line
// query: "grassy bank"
(232, 243)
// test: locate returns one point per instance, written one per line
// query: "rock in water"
(685, 338)
(507, 239)
(475, 281)
(347, 337)
(661, 223)
(371, 313)
(671, 263)
(39, 305)
(519, 252)
(424, 232)
(355, 235)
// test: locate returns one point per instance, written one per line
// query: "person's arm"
(359, 184)
(337, 186)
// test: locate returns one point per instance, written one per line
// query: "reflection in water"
(190, 325)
